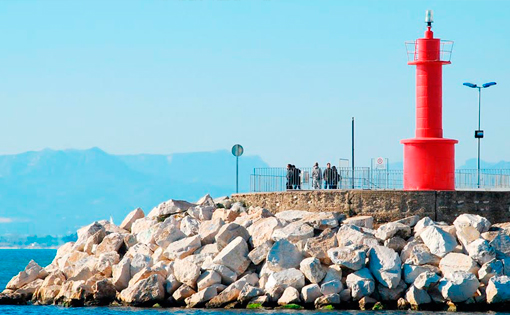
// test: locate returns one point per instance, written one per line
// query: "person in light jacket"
(316, 176)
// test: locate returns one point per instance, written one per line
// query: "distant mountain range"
(55, 192)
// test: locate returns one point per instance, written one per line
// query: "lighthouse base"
(429, 164)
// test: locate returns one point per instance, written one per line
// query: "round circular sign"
(380, 161)
(237, 150)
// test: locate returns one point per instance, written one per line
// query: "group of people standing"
(330, 177)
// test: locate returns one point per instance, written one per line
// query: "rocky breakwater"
(216, 254)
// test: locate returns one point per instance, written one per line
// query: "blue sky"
(283, 78)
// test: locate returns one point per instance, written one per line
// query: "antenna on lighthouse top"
(429, 17)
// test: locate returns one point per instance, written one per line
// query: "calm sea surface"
(14, 260)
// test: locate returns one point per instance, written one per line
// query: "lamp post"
(479, 132)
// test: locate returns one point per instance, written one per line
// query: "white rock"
(476, 221)
(418, 254)
(467, 234)
(106, 261)
(208, 230)
(322, 220)
(309, 293)
(283, 255)
(395, 243)
(312, 269)
(189, 226)
(438, 241)
(111, 243)
(332, 299)
(286, 278)
(32, 272)
(187, 272)
(147, 290)
(411, 272)
(201, 297)
(292, 215)
(318, 246)
(182, 248)
(422, 225)
(261, 230)
(481, 251)
(170, 207)
(293, 232)
(410, 221)
(349, 257)
(207, 279)
(259, 254)
(234, 256)
(385, 265)
(249, 292)
(498, 290)
(425, 280)
(392, 229)
(183, 292)
(131, 218)
(501, 243)
(458, 286)
(227, 275)
(417, 297)
(489, 270)
(331, 287)
(142, 224)
(361, 283)
(229, 232)
(201, 213)
(121, 273)
(458, 262)
(333, 272)
(171, 284)
(361, 221)
(289, 296)
(231, 293)
(353, 235)
(140, 261)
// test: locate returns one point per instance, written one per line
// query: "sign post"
(237, 151)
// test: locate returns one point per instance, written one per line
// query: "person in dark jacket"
(335, 178)
(290, 177)
(297, 177)
(328, 176)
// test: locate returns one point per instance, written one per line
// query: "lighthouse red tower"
(429, 159)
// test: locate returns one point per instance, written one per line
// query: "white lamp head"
(429, 17)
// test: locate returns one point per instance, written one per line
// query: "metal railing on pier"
(277, 179)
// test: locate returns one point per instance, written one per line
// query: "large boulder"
(286, 278)
(353, 235)
(261, 230)
(309, 293)
(234, 256)
(201, 297)
(348, 257)
(259, 254)
(361, 283)
(186, 271)
(411, 272)
(318, 246)
(392, 229)
(142, 224)
(201, 212)
(438, 241)
(290, 216)
(283, 255)
(385, 265)
(312, 269)
(481, 251)
(189, 226)
(104, 292)
(458, 262)
(418, 254)
(111, 243)
(293, 232)
(498, 290)
(144, 292)
(417, 297)
(230, 294)
(290, 296)
(32, 272)
(131, 218)
(501, 243)
(323, 220)
(183, 292)
(85, 232)
(489, 270)
(170, 207)
(361, 221)
(227, 275)
(182, 248)
(209, 229)
(476, 221)
(121, 273)
(426, 280)
(106, 261)
(458, 286)
(207, 279)
(229, 232)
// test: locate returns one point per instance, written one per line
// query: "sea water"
(13, 261)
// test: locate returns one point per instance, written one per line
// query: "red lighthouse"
(429, 159)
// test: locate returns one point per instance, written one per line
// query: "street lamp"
(479, 133)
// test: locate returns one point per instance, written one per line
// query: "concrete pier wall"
(388, 205)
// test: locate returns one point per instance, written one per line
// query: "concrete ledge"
(388, 205)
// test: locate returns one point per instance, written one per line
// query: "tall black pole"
(352, 152)
(237, 174)
(479, 114)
